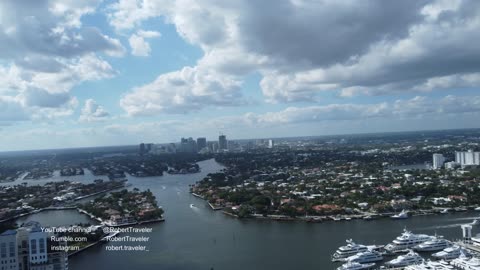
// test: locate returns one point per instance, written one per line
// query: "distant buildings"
(145, 148)
(188, 145)
(467, 158)
(222, 142)
(201, 143)
(438, 161)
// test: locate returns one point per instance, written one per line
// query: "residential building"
(467, 158)
(438, 161)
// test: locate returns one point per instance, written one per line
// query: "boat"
(348, 250)
(477, 209)
(464, 262)
(406, 241)
(337, 218)
(437, 243)
(192, 205)
(401, 215)
(356, 266)
(366, 257)
(461, 209)
(410, 258)
(444, 211)
(431, 265)
(449, 253)
(475, 222)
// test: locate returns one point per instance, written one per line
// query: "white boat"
(410, 258)
(401, 215)
(477, 209)
(406, 241)
(366, 257)
(463, 262)
(437, 243)
(355, 266)
(431, 265)
(449, 253)
(444, 211)
(348, 250)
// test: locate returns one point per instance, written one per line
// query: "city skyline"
(100, 73)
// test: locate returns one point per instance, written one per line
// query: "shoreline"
(336, 218)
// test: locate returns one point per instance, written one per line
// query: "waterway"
(195, 237)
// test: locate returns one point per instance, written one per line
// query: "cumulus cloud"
(45, 51)
(416, 107)
(92, 112)
(182, 91)
(302, 48)
(137, 42)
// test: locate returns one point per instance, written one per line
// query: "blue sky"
(91, 73)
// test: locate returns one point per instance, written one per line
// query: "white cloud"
(92, 112)
(416, 107)
(137, 42)
(302, 48)
(182, 91)
(45, 51)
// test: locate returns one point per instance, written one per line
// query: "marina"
(461, 254)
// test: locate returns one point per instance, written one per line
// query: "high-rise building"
(271, 143)
(9, 250)
(188, 145)
(438, 161)
(35, 252)
(142, 149)
(467, 158)
(201, 143)
(222, 142)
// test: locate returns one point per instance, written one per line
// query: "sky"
(116, 72)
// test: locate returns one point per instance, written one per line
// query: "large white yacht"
(430, 265)
(466, 263)
(356, 266)
(449, 253)
(348, 250)
(366, 257)
(435, 244)
(410, 258)
(406, 241)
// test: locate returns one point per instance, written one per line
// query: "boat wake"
(456, 225)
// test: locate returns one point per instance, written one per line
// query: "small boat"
(192, 205)
(444, 211)
(337, 218)
(401, 215)
(477, 209)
